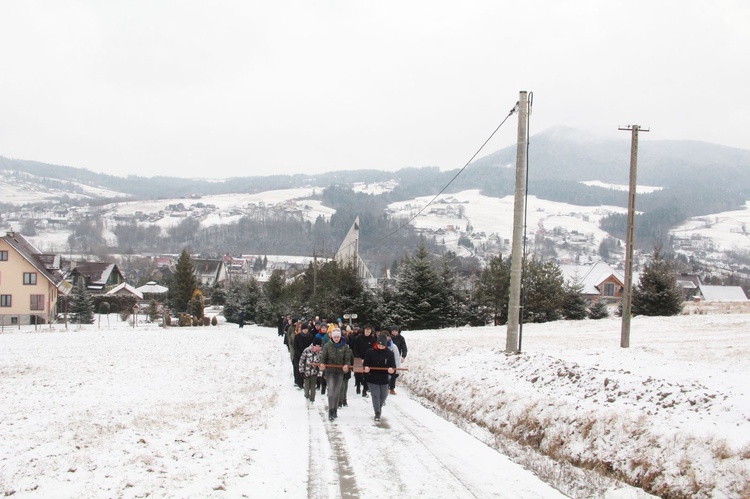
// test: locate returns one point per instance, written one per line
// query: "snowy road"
(410, 453)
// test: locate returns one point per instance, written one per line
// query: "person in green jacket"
(335, 353)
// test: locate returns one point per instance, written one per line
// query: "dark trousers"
(378, 394)
(298, 377)
(392, 381)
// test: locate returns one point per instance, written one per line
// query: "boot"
(331, 417)
(344, 403)
(335, 413)
(377, 416)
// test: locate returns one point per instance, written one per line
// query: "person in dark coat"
(400, 343)
(281, 323)
(377, 379)
(361, 344)
(301, 341)
(241, 318)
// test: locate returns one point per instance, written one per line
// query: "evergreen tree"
(573, 302)
(598, 310)
(387, 309)
(153, 311)
(247, 297)
(419, 292)
(454, 302)
(543, 291)
(196, 304)
(184, 283)
(491, 293)
(82, 305)
(657, 291)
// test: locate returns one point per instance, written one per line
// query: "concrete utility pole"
(516, 260)
(626, 295)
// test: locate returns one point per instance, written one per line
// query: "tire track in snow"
(330, 473)
(415, 428)
(345, 472)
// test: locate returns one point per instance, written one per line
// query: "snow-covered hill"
(21, 188)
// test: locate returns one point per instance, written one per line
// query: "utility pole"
(516, 260)
(626, 293)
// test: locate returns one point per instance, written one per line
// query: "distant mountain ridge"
(559, 153)
(697, 178)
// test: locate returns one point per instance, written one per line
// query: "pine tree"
(657, 292)
(543, 291)
(573, 302)
(82, 305)
(491, 293)
(453, 298)
(598, 310)
(419, 292)
(184, 283)
(153, 311)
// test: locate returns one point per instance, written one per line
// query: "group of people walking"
(325, 354)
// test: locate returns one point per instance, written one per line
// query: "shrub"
(598, 310)
(214, 322)
(184, 320)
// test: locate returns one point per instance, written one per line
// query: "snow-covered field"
(211, 412)
(728, 230)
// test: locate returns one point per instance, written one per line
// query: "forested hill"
(696, 178)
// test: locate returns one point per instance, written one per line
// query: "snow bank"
(671, 414)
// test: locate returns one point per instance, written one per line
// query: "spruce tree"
(598, 310)
(153, 311)
(543, 291)
(454, 302)
(183, 283)
(657, 292)
(419, 292)
(573, 302)
(491, 293)
(82, 305)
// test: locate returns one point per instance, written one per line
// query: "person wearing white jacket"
(397, 354)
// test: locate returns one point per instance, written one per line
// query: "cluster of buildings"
(31, 282)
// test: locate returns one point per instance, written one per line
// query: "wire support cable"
(512, 111)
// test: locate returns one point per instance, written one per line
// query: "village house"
(98, 277)
(30, 282)
(599, 281)
(210, 271)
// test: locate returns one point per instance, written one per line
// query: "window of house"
(3, 256)
(37, 302)
(6, 300)
(29, 277)
(609, 289)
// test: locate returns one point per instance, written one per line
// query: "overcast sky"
(228, 88)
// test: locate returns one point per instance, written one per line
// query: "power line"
(512, 111)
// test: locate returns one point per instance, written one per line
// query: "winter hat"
(383, 339)
(317, 341)
(336, 333)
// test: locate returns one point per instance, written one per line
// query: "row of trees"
(429, 293)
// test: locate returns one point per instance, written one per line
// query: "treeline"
(424, 292)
